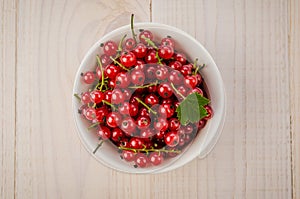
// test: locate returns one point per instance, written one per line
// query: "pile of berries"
(134, 95)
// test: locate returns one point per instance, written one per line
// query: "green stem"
(199, 68)
(158, 58)
(177, 91)
(109, 104)
(131, 26)
(77, 96)
(102, 72)
(120, 43)
(149, 150)
(93, 125)
(145, 105)
(150, 42)
(145, 86)
(119, 64)
(98, 146)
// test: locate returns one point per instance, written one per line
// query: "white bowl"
(202, 143)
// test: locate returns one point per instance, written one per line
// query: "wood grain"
(53, 37)
(294, 60)
(248, 40)
(7, 97)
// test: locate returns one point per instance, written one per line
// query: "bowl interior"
(203, 142)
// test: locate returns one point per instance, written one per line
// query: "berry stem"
(77, 96)
(120, 44)
(93, 125)
(151, 43)
(177, 91)
(145, 105)
(145, 86)
(102, 72)
(149, 150)
(98, 146)
(131, 26)
(109, 104)
(119, 64)
(198, 68)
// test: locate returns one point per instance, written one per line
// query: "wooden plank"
(294, 59)
(53, 37)
(248, 40)
(7, 96)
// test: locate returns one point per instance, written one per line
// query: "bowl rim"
(173, 165)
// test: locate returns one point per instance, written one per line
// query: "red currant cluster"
(136, 91)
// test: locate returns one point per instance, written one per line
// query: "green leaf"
(191, 109)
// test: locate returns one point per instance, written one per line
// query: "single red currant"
(176, 65)
(168, 41)
(85, 98)
(129, 156)
(129, 44)
(128, 126)
(97, 96)
(136, 143)
(113, 119)
(165, 90)
(116, 134)
(165, 52)
(88, 77)
(176, 77)
(104, 133)
(117, 96)
(156, 158)
(180, 57)
(111, 71)
(110, 48)
(143, 122)
(174, 124)
(128, 59)
(191, 81)
(90, 114)
(141, 160)
(137, 77)
(140, 50)
(209, 112)
(122, 80)
(151, 99)
(145, 34)
(172, 138)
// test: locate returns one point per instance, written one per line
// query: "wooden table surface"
(256, 45)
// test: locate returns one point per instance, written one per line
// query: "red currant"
(146, 34)
(128, 59)
(180, 57)
(113, 119)
(129, 156)
(151, 57)
(168, 41)
(116, 134)
(90, 114)
(165, 90)
(151, 99)
(174, 124)
(143, 122)
(156, 158)
(176, 77)
(85, 98)
(140, 50)
(136, 143)
(111, 71)
(165, 52)
(141, 160)
(128, 125)
(129, 44)
(122, 80)
(110, 48)
(97, 96)
(137, 77)
(88, 77)
(117, 96)
(172, 138)
(104, 132)
(191, 81)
